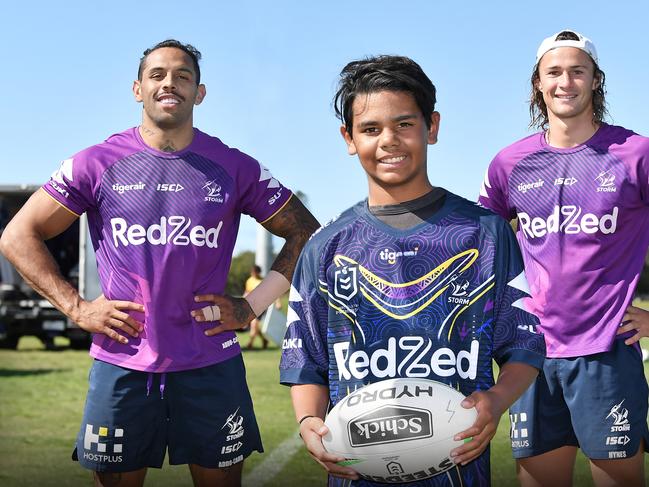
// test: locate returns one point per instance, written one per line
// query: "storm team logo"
(213, 192)
(460, 287)
(234, 424)
(606, 181)
(619, 414)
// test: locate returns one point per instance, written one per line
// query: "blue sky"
(271, 68)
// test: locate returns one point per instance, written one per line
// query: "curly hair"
(188, 49)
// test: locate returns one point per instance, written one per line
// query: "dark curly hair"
(538, 109)
(190, 50)
(380, 73)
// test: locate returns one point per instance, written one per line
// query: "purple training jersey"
(163, 226)
(582, 226)
(437, 301)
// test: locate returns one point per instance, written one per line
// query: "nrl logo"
(346, 283)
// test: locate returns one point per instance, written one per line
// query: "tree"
(239, 272)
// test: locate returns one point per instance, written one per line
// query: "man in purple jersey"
(163, 202)
(579, 190)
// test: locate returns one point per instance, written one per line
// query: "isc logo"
(565, 181)
(169, 187)
(231, 448)
(617, 440)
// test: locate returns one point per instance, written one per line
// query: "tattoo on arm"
(296, 224)
(243, 313)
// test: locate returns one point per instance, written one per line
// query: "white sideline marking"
(273, 463)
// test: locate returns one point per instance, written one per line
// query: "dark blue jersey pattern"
(438, 301)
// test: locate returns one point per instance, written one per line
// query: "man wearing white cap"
(580, 192)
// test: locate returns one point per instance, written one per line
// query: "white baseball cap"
(583, 43)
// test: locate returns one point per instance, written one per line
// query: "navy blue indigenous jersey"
(437, 301)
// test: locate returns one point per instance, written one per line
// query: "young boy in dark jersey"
(413, 271)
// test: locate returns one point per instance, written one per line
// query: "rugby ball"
(398, 430)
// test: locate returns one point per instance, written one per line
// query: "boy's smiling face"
(390, 137)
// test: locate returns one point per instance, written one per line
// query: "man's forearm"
(31, 257)
(295, 224)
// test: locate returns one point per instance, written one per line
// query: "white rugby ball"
(398, 430)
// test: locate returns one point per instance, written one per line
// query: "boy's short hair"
(188, 49)
(383, 73)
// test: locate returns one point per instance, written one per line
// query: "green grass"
(41, 403)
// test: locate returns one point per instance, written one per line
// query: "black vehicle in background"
(22, 310)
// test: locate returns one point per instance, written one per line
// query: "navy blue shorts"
(202, 416)
(597, 403)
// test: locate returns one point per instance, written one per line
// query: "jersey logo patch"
(346, 282)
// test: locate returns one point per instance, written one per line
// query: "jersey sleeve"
(262, 196)
(516, 336)
(72, 184)
(305, 358)
(643, 170)
(494, 192)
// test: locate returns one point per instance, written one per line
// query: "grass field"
(41, 401)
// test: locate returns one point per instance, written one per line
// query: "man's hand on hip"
(106, 316)
(233, 313)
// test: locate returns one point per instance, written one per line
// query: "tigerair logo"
(96, 444)
(525, 187)
(213, 192)
(174, 230)
(391, 256)
(606, 181)
(567, 219)
(123, 188)
(390, 424)
(419, 360)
